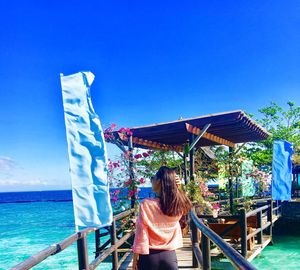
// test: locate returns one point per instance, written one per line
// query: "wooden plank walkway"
(184, 257)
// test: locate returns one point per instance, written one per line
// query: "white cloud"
(21, 182)
(7, 164)
(13, 177)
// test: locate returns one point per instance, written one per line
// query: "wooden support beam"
(200, 135)
(152, 144)
(208, 136)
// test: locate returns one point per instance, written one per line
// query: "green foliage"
(199, 195)
(230, 161)
(283, 124)
(160, 158)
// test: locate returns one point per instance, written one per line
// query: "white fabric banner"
(87, 153)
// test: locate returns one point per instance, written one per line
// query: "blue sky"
(153, 61)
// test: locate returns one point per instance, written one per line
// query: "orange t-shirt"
(155, 230)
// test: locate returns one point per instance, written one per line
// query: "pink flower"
(117, 192)
(128, 183)
(138, 156)
(113, 126)
(145, 155)
(116, 164)
(129, 133)
(216, 206)
(131, 193)
(114, 199)
(142, 180)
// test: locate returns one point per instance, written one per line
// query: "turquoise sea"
(284, 254)
(31, 221)
(28, 227)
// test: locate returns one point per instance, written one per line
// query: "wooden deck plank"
(258, 248)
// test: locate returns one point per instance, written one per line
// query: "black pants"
(158, 260)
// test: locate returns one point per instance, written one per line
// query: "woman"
(158, 232)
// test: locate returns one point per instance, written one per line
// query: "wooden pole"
(83, 261)
(259, 225)
(131, 172)
(243, 224)
(270, 219)
(205, 246)
(97, 243)
(185, 168)
(113, 236)
(192, 152)
(195, 241)
(230, 185)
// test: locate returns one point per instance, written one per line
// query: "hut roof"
(227, 128)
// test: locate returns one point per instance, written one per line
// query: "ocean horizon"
(64, 195)
(30, 221)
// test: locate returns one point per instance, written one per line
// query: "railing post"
(280, 208)
(83, 261)
(195, 241)
(205, 246)
(97, 243)
(113, 235)
(243, 224)
(259, 225)
(270, 219)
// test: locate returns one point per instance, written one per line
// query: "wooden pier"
(185, 254)
(212, 243)
(256, 240)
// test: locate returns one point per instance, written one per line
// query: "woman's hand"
(135, 261)
(178, 181)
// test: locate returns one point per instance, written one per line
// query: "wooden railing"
(117, 239)
(202, 256)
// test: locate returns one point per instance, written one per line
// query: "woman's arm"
(135, 261)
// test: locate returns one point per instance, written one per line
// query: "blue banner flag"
(282, 170)
(87, 153)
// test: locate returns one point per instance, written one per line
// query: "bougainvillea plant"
(119, 169)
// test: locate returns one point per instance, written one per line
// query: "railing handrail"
(60, 246)
(255, 211)
(234, 257)
(241, 198)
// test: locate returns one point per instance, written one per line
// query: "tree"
(283, 124)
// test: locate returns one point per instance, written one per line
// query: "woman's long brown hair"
(173, 201)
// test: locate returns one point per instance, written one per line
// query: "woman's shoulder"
(149, 202)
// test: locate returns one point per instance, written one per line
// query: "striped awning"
(227, 128)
